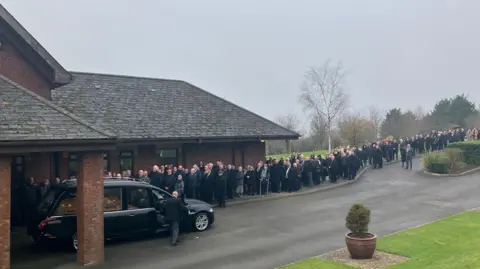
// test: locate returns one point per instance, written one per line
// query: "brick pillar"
(90, 209)
(5, 192)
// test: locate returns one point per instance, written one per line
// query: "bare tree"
(289, 121)
(353, 129)
(318, 131)
(322, 94)
(419, 113)
(375, 117)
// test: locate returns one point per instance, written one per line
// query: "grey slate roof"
(25, 115)
(147, 108)
(61, 75)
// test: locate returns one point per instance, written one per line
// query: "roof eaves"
(62, 76)
(59, 109)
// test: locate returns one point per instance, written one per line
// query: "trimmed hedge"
(436, 162)
(470, 149)
(443, 161)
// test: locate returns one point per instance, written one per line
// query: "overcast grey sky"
(255, 53)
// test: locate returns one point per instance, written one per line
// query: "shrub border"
(471, 171)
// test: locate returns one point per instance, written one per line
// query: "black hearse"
(130, 208)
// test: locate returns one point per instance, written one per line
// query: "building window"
(126, 161)
(106, 161)
(167, 156)
(72, 165)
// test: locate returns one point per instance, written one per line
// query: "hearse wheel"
(202, 221)
(75, 242)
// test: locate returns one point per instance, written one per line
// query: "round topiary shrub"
(358, 219)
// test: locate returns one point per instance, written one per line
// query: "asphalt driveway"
(268, 234)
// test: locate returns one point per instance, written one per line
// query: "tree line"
(324, 97)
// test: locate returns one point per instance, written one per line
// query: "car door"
(159, 223)
(116, 220)
(140, 209)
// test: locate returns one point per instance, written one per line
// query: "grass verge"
(450, 243)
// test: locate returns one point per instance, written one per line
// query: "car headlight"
(210, 210)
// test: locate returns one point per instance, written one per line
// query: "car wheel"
(75, 242)
(202, 221)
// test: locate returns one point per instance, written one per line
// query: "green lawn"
(306, 154)
(451, 243)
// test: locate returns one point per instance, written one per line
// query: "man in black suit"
(174, 209)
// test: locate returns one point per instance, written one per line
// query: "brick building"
(54, 123)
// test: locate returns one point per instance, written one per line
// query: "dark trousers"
(230, 191)
(353, 173)
(221, 200)
(309, 179)
(409, 164)
(316, 178)
(275, 184)
(263, 186)
(174, 228)
(291, 185)
(251, 189)
(298, 183)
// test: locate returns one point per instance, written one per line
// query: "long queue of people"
(219, 181)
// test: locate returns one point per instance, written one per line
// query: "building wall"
(15, 67)
(42, 165)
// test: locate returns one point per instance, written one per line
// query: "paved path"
(268, 234)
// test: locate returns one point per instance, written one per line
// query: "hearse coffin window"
(72, 164)
(112, 199)
(126, 161)
(138, 198)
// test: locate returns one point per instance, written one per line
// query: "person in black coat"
(32, 197)
(174, 211)
(334, 167)
(317, 170)
(221, 187)
(207, 185)
(276, 176)
(325, 166)
(191, 184)
(377, 157)
(168, 182)
(353, 164)
(250, 178)
(290, 176)
(231, 181)
(156, 177)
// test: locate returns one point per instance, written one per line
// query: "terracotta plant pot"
(361, 247)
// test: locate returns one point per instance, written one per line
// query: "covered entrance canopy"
(30, 123)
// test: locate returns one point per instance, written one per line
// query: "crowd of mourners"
(218, 182)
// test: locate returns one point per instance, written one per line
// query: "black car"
(130, 208)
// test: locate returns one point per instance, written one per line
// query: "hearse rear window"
(48, 199)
